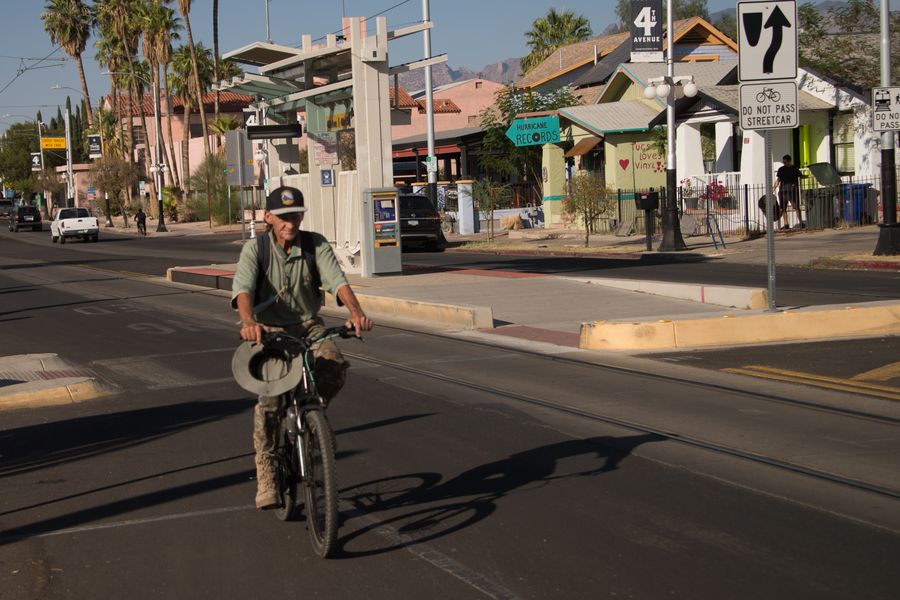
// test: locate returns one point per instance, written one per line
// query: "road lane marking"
(885, 373)
(823, 381)
(132, 522)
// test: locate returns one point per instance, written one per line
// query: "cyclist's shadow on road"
(419, 507)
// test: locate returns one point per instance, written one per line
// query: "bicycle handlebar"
(296, 345)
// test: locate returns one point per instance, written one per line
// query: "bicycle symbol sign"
(771, 105)
(767, 40)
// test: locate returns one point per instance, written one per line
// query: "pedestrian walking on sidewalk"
(787, 185)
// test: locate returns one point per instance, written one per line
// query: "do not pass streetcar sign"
(886, 109)
(534, 131)
(769, 105)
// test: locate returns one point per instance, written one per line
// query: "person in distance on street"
(787, 185)
(141, 220)
(286, 297)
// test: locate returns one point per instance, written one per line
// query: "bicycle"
(769, 93)
(142, 229)
(304, 451)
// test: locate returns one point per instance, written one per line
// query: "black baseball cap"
(285, 200)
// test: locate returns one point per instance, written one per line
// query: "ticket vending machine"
(381, 232)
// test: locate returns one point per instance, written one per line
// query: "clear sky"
(473, 33)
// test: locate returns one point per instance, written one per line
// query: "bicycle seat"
(265, 370)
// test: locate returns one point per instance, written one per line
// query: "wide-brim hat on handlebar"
(265, 371)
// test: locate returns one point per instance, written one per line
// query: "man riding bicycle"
(286, 298)
(141, 220)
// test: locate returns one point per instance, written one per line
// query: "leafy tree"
(551, 32)
(843, 42)
(112, 175)
(727, 24)
(502, 157)
(210, 184)
(50, 182)
(681, 9)
(69, 23)
(588, 199)
(488, 197)
(182, 86)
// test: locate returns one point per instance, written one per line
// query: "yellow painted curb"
(859, 320)
(450, 315)
(34, 394)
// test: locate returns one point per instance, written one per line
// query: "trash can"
(856, 208)
(821, 206)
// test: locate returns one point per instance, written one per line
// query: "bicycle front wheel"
(320, 483)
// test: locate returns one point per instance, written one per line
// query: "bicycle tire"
(320, 483)
(286, 477)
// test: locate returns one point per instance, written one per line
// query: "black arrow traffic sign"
(776, 22)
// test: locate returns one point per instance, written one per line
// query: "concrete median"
(721, 295)
(457, 316)
(35, 380)
(812, 323)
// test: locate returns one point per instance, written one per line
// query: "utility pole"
(671, 239)
(70, 179)
(429, 108)
(889, 231)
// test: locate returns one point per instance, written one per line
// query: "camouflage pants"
(329, 371)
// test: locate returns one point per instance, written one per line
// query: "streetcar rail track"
(639, 427)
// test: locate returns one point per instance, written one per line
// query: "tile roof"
(406, 101)
(228, 102)
(705, 73)
(441, 106)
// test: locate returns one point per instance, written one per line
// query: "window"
(473, 119)
(478, 85)
(844, 152)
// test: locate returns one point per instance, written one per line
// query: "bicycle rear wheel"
(320, 483)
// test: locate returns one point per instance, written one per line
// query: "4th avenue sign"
(534, 131)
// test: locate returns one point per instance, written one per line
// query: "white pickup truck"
(72, 223)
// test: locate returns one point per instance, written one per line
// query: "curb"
(814, 323)
(33, 394)
(862, 265)
(453, 315)
(722, 295)
(461, 316)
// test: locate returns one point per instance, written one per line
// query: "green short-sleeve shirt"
(288, 281)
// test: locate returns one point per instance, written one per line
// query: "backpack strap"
(263, 258)
(308, 248)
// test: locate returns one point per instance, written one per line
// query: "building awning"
(583, 146)
(259, 54)
(613, 117)
(446, 150)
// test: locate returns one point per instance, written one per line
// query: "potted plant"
(717, 194)
(688, 193)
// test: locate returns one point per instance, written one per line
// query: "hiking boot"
(266, 496)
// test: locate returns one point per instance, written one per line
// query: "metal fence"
(722, 204)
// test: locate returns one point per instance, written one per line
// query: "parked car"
(25, 216)
(6, 206)
(420, 223)
(72, 223)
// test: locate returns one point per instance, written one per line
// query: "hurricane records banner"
(646, 31)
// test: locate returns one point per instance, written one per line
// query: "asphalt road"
(466, 470)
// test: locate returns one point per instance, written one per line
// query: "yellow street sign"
(55, 143)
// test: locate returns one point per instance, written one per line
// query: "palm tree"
(159, 27)
(216, 73)
(109, 55)
(184, 7)
(69, 23)
(552, 32)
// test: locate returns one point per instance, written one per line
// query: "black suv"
(25, 216)
(420, 223)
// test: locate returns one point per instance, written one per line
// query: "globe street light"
(157, 168)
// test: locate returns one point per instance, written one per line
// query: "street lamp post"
(157, 168)
(670, 87)
(666, 88)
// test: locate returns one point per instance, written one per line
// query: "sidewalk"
(611, 314)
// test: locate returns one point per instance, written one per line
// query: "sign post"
(767, 70)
